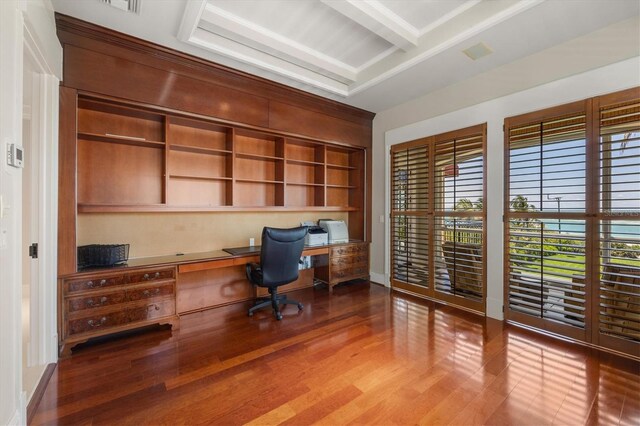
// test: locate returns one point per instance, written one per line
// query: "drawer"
(149, 292)
(152, 310)
(349, 260)
(153, 275)
(350, 272)
(96, 323)
(349, 249)
(93, 283)
(123, 316)
(79, 303)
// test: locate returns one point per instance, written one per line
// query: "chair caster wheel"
(300, 306)
(279, 317)
(250, 314)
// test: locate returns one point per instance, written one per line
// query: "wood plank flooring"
(362, 356)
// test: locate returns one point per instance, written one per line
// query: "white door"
(33, 363)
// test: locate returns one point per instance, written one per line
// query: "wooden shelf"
(206, 166)
(341, 186)
(340, 166)
(258, 156)
(198, 150)
(117, 208)
(121, 139)
(260, 181)
(200, 177)
(320, 185)
(304, 163)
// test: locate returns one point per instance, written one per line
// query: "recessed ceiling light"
(477, 51)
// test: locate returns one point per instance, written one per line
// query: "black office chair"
(279, 258)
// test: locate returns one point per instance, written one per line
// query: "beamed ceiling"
(373, 54)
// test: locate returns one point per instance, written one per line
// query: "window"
(572, 216)
(438, 217)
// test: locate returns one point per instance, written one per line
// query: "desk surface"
(205, 256)
(249, 250)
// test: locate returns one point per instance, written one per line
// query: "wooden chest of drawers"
(95, 303)
(345, 262)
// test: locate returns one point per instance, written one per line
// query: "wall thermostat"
(15, 155)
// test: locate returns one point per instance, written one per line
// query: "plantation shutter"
(409, 221)
(572, 220)
(546, 222)
(618, 307)
(459, 217)
(438, 217)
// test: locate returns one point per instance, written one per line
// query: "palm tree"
(464, 204)
(520, 203)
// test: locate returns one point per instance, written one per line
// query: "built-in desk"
(159, 289)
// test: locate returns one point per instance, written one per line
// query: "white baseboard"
(19, 417)
(378, 278)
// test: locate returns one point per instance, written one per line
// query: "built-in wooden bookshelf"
(132, 158)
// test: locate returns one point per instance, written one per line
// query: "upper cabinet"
(145, 128)
(132, 158)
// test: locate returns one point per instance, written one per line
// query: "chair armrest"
(250, 268)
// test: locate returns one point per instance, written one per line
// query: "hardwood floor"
(362, 356)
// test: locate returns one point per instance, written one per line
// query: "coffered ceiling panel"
(371, 53)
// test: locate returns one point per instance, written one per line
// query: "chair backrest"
(280, 254)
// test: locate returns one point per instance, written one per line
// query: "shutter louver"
(572, 220)
(546, 242)
(619, 272)
(410, 228)
(438, 217)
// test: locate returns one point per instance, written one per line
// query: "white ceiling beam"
(231, 49)
(372, 15)
(225, 24)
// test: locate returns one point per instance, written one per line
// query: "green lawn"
(564, 264)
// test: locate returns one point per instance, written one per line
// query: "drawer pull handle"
(148, 292)
(91, 303)
(153, 307)
(91, 284)
(95, 324)
(151, 277)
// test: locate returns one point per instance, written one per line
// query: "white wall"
(16, 17)
(603, 80)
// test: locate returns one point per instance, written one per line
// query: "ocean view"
(621, 229)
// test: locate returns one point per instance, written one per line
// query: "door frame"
(44, 139)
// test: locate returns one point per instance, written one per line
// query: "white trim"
(448, 16)
(221, 22)
(459, 38)
(45, 121)
(214, 42)
(16, 419)
(379, 278)
(378, 19)
(192, 13)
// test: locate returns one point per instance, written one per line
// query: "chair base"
(274, 301)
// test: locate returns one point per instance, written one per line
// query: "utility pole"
(557, 198)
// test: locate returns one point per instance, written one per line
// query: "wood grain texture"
(362, 356)
(72, 31)
(67, 155)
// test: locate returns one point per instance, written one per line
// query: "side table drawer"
(79, 303)
(140, 277)
(349, 260)
(149, 292)
(97, 322)
(123, 316)
(348, 249)
(93, 283)
(152, 310)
